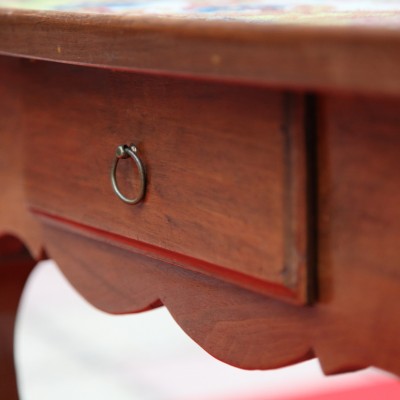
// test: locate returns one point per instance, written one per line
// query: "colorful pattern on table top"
(320, 12)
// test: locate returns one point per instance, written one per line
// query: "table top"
(349, 46)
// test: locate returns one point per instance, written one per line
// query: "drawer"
(225, 166)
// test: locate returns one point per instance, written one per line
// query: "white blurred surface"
(66, 349)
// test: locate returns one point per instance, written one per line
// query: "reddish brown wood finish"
(355, 322)
(345, 58)
(359, 253)
(226, 192)
(14, 217)
(15, 266)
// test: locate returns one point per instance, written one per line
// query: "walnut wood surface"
(344, 58)
(14, 217)
(226, 192)
(355, 322)
(15, 266)
(359, 262)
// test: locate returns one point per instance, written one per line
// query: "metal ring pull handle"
(123, 152)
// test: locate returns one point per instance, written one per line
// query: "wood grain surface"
(345, 58)
(355, 322)
(226, 192)
(14, 216)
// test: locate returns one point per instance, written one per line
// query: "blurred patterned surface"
(339, 12)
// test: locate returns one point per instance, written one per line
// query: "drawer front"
(225, 165)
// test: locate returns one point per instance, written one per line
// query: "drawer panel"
(225, 163)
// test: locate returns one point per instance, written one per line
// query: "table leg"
(15, 266)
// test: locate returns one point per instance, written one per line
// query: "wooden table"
(270, 143)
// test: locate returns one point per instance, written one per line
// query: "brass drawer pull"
(123, 152)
